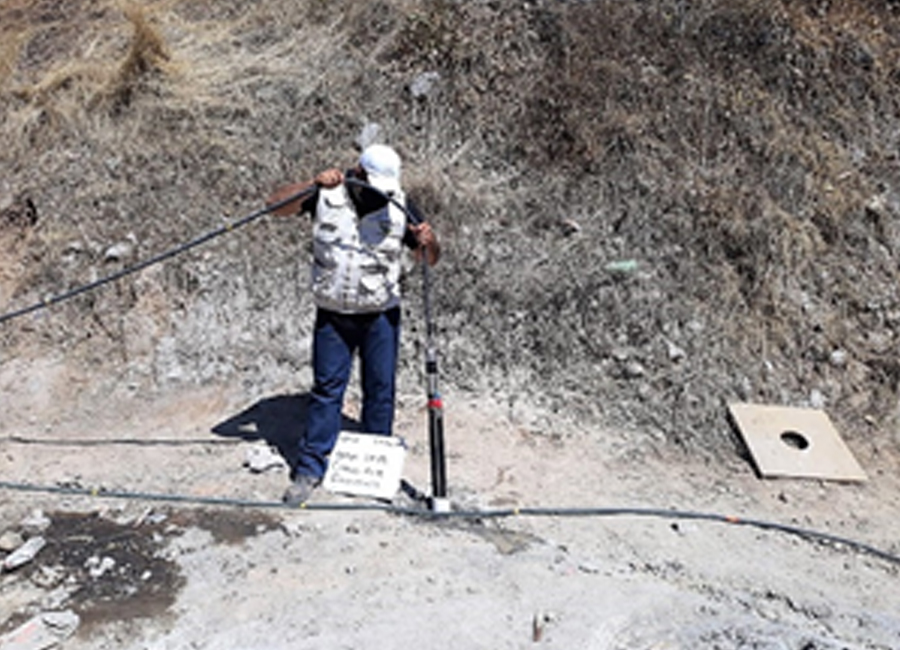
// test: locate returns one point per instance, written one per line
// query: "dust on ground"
(217, 576)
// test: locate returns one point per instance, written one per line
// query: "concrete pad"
(795, 442)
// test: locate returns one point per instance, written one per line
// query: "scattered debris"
(98, 566)
(539, 623)
(622, 267)
(42, 631)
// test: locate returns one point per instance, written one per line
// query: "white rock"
(36, 521)
(423, 84)
(262, 457)
(816, 398)
(675, 353)
(24, 554)
(10, 541)
(42, 631)
(838, 358)
(120, 250)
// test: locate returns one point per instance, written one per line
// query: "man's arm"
(327, 178)
(286, 192)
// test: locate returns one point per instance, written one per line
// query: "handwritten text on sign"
(365, 464)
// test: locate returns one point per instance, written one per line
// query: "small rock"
(261, 458)
(424, 84)
(120, 250)
(675, 353)
(838, 358)
(48, 577)
(42, 631)
(620, 354)
(816, 399)
(634, 370)
(117, 252)
(55, 599)
(10, 541)
(37, 521)
(24, 554)
(97, 566)
(569, 227)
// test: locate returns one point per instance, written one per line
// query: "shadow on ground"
(280, 421)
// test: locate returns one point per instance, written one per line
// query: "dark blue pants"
(335, 340)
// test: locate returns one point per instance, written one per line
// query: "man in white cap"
(358, 237)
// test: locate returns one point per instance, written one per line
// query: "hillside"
(741, 154)
(647, 209)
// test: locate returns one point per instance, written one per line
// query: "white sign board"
(365, 464)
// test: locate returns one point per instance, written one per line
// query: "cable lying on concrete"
(810, 535)
(140, 266)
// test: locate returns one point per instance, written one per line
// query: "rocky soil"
(140, 571)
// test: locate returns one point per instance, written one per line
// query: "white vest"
(356, 258)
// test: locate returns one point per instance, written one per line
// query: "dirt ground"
(198, 575)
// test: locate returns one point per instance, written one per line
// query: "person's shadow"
(279, 420)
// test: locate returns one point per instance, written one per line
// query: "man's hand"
(329, 178)
(424, 234)
(427, 242)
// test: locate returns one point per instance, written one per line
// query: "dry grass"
(147, 55)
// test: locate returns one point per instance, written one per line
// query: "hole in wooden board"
(795, 440)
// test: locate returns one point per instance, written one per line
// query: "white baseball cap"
(382, 166)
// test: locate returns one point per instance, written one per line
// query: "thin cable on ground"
(140, 266)
(661, 513)
(105, 442)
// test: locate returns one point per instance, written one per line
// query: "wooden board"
(795, 442)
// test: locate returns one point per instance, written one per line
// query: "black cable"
(104, 442)
(463, 514)
(140, 266)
